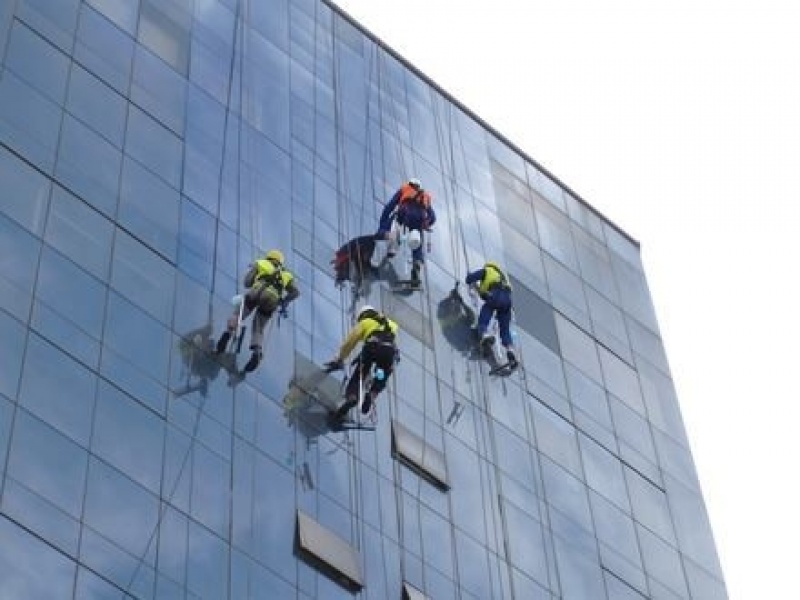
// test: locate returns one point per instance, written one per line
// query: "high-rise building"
(149, 151)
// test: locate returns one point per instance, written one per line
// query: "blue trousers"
(497, 303)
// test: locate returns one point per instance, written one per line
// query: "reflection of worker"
(270, 287)
(354, 259)
(457, 319)
(411, 207)
(197, 354)
(377, 332)
(495, 291)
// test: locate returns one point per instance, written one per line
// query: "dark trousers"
(353, 259)
(497, 302)
(373, 353)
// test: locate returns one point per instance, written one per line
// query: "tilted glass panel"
(329, 551)
(418, 455)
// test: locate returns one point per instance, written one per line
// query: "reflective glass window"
(79, 232)
(154, 146)
(96, 104)
(123, 13)
(48, 463)
(19, 255)
(149, 208)
(567, 292)
(578, 571)
(650, 506)
(80, 152)
(41, 516)
(662, 561)
(556, 438)
(164, 29)
(53, 20)
(158, 89)
(604, 472)
(621, 380)
(71, 292)
(29, 122)
(139, 338)
(608, 322)
(65, 397)
(36, 61)
(615, 528)
(329, 552)
(579, 348)
(128, 436)
(566, 493)
(24, 559)
(104, 49)
(12, 347)
(525, 542)
(143, 277)
(25, 192)
(207, 563)
(119, 509)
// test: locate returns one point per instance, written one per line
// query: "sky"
(680, 122)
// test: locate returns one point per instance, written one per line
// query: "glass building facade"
(149, 151)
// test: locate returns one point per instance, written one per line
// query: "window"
(426, 461)
(328, 552)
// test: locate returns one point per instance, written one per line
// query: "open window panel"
(425, 460)
(412, 593)
(328, 553)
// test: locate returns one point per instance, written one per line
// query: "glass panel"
(79, 153)
(40, 516)
(139, 338)
(150, 209)
(164, 29)
(25, 192)
(79, 232)
(41, 65)
(604, 472)
(63, 399)
(556, 438)
(19, 256)
(121, 12)
(29, 123)
(143, 277)
(579, 348)
(54, 20)
(71, 292)
(12, 349)
(120, 510)
(534, 315)
(330, 550)
(31, 568)
(525, 542)
(48, 463)
(97, 105)
(154, 146)
(104, 49)
(128, 436)
(158, 89)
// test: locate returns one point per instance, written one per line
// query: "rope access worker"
(411, 207)
(378, 334)
(270, 287)
(494, 289)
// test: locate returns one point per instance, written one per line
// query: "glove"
(333, 365)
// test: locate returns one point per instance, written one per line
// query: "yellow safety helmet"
(493, 264)
(275, 256)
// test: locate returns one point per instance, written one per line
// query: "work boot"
(222, 343)
(340, 414)
(487, 341)
(512, 359)
(255, 358)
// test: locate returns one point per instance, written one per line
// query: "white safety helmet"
(414, 239)
(364, 310)
(415, 183)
